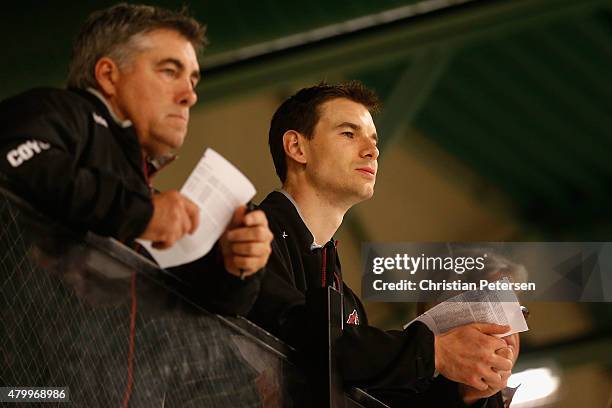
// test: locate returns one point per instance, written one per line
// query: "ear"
(294, 145)
(107, 75)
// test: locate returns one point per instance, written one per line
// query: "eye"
(348, 134)
(170, 72)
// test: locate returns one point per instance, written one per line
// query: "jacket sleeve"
(281, 307)
(374, 358)
(399, 367)
(211, 286)
(41, 144)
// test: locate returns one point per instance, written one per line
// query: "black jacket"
(63, 151)
(397, 366)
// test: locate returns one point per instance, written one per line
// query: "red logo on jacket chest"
(353, 318)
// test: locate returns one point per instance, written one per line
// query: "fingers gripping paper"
(217, 188)
(477, 306)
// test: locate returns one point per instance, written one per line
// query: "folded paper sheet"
(217, 188)
(477, 306)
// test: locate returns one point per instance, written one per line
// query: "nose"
(370, 149)
(186, 96)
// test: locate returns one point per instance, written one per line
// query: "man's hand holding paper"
(467, 354)
(217, 190)
(174, 215)
(245, 244)
(477, 354)
(471, 394)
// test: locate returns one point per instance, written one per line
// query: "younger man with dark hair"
(324, 146)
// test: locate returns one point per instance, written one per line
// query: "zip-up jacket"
(64, 152)
(397, 366)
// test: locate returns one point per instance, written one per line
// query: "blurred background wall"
(496, 127)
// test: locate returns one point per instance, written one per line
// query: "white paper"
(477, 306)
(217, 188)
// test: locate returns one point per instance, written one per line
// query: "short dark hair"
(300, 112)
(113, 32)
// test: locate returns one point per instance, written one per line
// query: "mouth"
(368, 171)
(176, 116)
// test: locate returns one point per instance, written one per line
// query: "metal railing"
(66, 302)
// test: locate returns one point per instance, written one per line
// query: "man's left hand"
(246, 243)
(471, 394)
(514, 343)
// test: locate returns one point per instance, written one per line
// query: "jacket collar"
(121, 123)
(154, 165)
(313, 245)
(123, 133)
(286, 211)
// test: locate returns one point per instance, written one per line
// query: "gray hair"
(118, 33)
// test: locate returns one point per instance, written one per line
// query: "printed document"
(476, 306)
(217, 188)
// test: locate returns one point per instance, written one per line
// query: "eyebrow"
(355, 127)
(194, 75)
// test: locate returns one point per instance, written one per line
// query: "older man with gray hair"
(86, 155)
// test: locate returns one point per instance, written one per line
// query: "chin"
(366, 193)
(175, 141)
(165, 148)
(157, 150)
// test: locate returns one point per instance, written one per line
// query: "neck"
(321, 214)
